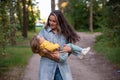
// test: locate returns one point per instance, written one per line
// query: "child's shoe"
(81, 56)
(85, 50)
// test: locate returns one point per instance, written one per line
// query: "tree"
(52, 5)
(112, 29)
(12, 22)
(91, 16)
(19, 12)
(33, 15)
(4, 26)
(77, 13)
(25, 20)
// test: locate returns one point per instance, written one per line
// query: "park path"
(92, 67)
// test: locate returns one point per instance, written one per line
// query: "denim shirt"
(47, 66)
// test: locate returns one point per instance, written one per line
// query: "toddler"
(39, 43)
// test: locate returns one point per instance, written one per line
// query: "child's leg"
(63, 57)
(75, 47)
(76, 50)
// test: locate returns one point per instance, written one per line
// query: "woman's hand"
(66, 48)
(51, 55)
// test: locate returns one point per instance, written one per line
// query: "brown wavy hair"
(67, 31)
(34, 44)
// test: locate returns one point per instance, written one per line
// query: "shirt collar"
(49, 29)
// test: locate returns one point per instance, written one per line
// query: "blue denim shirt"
(47, 66)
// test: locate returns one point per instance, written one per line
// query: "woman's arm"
(66, 48)
(55, 55)
(51, 55)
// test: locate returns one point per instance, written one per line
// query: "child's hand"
(66, 48)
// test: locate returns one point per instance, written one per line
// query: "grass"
(18, 55)
(15, 56)
(110, 52)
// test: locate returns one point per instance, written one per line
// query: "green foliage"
(31, 21)
(33, 15)
(109, 42)
(77, 13)
(5, 28)
(104, 47)
(112, 29)
(16, 56)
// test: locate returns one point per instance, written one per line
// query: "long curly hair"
(64, 28)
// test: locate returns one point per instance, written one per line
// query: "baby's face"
(41, 39)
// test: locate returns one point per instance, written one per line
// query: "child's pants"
(76, 50)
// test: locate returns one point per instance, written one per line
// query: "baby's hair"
(34, 44)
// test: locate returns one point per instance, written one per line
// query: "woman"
(57, 30)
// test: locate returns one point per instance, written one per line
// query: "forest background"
(18, 19)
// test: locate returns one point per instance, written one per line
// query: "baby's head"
(35, 43)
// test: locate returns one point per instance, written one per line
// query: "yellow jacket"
(49, 46)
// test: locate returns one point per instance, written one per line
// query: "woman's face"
(53, 22)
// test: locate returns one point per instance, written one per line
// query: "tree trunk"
(25, 20)
(19, 14)
(59, 4)
(52, 5)
(12, 22)
(91, 16)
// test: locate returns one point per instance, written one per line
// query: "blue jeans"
(57, 75)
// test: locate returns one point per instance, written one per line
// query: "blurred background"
(21, 19)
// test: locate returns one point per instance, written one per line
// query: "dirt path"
(92, 67)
